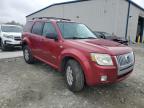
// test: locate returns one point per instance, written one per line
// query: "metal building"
(122, 17)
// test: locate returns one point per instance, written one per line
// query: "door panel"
(36, 43)
(50, 47)
(36, 38)
(51, 50)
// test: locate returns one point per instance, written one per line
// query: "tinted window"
(49, 29)
(28, 26)
(37, 28)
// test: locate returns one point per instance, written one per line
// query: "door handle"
(42, 39)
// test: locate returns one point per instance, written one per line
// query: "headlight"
(8, 36)
(102, 59)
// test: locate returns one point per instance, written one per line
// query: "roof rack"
(55, 18)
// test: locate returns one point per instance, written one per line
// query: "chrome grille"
(125, 59)
(125, 63)
(17, 38)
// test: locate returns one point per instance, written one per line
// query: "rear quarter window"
(28, 26)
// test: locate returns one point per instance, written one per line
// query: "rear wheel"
(28, 55)
(74, 76)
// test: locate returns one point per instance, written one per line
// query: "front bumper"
(11, 42)
(96, 74)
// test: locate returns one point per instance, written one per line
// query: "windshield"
(72, 30)
(11, 29)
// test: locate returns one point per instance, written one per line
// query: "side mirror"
(52, 36)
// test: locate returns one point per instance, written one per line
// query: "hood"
(103, 42)
(118, 39)
(14, 34)
(100, 46)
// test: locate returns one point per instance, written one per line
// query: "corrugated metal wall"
(133, 21)
(100, 15)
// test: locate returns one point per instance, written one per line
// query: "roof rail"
(55, 18)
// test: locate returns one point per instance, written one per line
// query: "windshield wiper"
(81, 37)
(77, 38)
(74, 37)
(91, 38)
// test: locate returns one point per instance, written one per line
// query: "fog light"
(103, 78)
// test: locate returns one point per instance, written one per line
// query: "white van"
(10, 36)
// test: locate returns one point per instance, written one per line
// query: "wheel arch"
(71, 54)
(25, 42)
(74, 55)
(66, 59)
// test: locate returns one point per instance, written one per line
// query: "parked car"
(74, 50)
(10, 36)
(109, 36)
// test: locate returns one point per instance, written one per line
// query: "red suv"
(74, 50)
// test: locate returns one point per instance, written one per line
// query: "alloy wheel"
(69, 75)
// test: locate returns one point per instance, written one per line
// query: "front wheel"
(3, 47)
(28, 57)
(74, 76)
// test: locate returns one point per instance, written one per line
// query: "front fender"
(76, 54)
(25, 40)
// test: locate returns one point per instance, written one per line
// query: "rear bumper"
(96, 74)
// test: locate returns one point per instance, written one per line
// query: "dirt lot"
(40, 86)
(11, 53)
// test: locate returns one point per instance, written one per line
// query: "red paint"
(53, 52)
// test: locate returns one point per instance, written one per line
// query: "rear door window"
(49, 29)
(38, 28)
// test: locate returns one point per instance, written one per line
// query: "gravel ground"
(11, 53)
(40, 86)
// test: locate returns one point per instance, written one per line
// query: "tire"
(3, 48)
(74, 76)
(28, 57)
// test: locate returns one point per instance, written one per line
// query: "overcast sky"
(18, 9)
